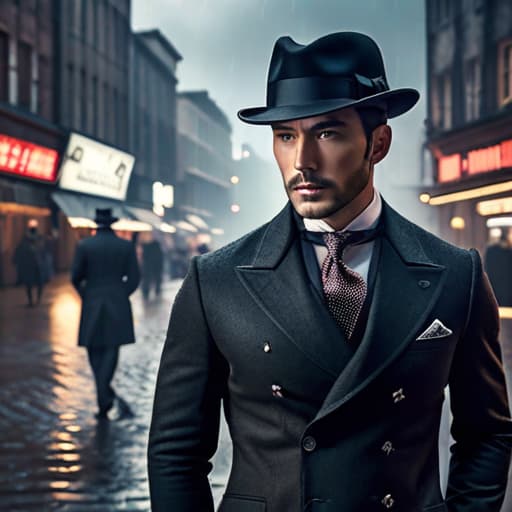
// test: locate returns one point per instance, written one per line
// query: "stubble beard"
(314, 208)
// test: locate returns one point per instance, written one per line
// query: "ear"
(381, 142)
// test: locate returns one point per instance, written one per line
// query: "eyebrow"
(330, 123)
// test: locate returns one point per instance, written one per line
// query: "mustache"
(301, 178)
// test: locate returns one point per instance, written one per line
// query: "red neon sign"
(28, 160)
(491, 158)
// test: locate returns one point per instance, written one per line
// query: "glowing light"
(505, 312)
(68, 416)
(59, 485)
(425, 198)
(235, 180)
(73, 428)
(495, 206)
(498, 222)
(167, 228)
(457, 223)
(217, 231)
(29, 160)
(472, 193)
(235, 208)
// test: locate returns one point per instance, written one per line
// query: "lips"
(309, 190)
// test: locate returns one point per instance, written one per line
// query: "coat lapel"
(278, 282)
(400, 305)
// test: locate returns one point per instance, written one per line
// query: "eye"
(326, 134)
(285, 137)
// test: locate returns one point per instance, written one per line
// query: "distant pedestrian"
(29, 260)
(105, 273)
(498, 265)
(152, 268)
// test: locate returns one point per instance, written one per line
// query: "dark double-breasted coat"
(105, 273)
(314, 428)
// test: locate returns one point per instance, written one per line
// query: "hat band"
(296, 91)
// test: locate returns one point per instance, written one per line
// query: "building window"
(83, 101)
(95, 106)
(13, 72)
(442, 102)
(71, 96)
(4, 66)
(472, 73)
(24, 75)
(505, 72)
(34, 83)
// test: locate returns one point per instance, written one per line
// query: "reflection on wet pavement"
(55, 455)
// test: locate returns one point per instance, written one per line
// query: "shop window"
(472, 85)
(4, 66)
(24, 75)
(13, 71)
(505, 72)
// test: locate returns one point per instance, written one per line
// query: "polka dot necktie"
(344, 289)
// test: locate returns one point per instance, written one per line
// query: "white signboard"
(95, 168)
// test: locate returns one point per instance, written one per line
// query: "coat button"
(387, 447)
(388, 501)
(309, 443)
(277, 390)
(398, 395)
(424, 284)
(267, 347)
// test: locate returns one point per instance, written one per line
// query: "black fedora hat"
(339, 70)
(104, 217)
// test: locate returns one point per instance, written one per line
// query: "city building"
(153, 118)
(204, 189)
(30, 139)
(469, 125)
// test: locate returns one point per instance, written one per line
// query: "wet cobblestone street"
(55, 455)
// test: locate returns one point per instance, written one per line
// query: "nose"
(305, 155)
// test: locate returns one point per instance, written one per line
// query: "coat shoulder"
(434, 248)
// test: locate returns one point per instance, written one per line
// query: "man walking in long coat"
(331, 333)
(105, 273)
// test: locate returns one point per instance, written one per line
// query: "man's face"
(322, 161)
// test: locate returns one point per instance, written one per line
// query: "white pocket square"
(435, 330)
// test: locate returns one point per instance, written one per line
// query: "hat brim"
(397, 102)
(105, 221)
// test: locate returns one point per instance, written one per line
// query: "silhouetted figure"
(498, 265)
(105, 273)
(152, 267)
(29, 261)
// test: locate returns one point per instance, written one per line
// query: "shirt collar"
(367, 219)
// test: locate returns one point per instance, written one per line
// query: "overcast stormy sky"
(226, 47)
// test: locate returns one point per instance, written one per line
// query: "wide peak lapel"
(278, 282)
(400, 305)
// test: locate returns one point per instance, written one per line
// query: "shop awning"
(81, 210)
(143, 215)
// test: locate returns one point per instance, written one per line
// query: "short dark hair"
(371, 117)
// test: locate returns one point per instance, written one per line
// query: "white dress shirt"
(356, 257)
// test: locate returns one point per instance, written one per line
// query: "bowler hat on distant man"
(339, 70)
(104, 217)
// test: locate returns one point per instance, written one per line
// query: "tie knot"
(336, 242)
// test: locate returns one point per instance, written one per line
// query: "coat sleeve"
(133, 271)
(481, 426)
(186, 412)
(78, 268)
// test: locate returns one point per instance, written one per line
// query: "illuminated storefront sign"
(95, 168)
(163, 197)
(28, 160)
(491, 158)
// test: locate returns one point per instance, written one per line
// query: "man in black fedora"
(331, 333)
(105, 273)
